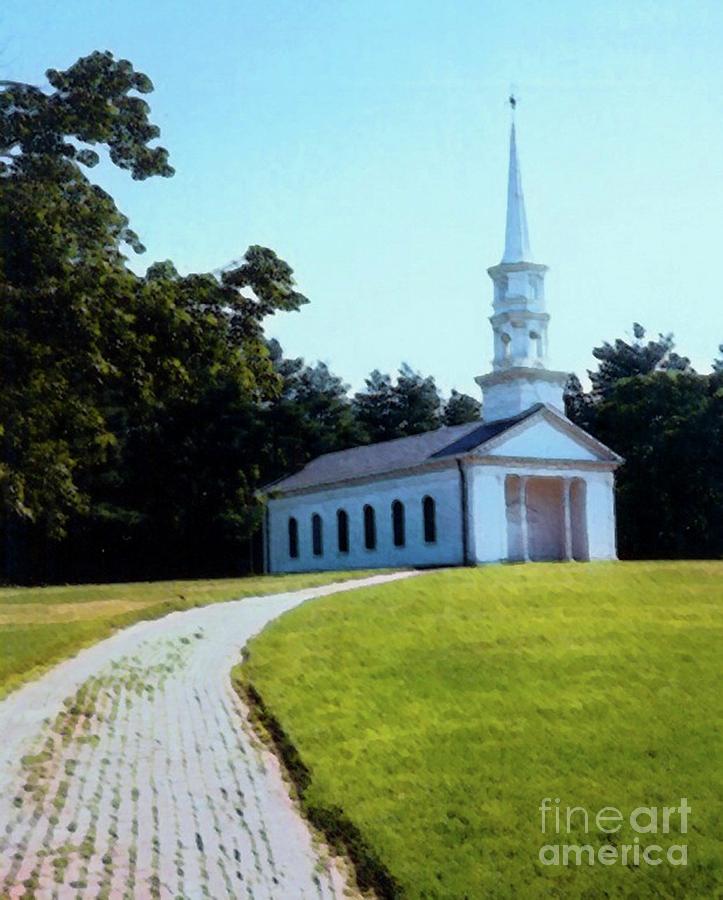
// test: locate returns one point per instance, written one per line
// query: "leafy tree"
(180, 492)
(103, 371)
(461, 408)
(718, 363)
(64, 291)
(93, 102)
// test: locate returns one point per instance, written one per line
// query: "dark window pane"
(342, 530)
(430, 520)
(398, 523)
(316, 535)
(293, 538)
(370, 528)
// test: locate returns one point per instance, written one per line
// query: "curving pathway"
(130, 771)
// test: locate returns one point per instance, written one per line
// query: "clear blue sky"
(366, 143)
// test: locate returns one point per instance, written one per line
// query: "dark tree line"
(666, 420)
(140, 415)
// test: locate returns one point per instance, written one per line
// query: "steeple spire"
(519, 377)
(517, 241)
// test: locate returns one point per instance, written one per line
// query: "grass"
(428, 719)
(40, 626)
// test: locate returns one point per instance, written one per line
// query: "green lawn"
(435, 714)
(39, 626)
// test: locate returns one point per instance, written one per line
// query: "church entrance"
(545, 518)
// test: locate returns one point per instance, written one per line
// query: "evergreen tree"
(578, 404)
(649, 405)
(387, 410)
(375, 409)
(461, 408)
(418, 402)
(669, 428)
(624, 359)
(311, 415)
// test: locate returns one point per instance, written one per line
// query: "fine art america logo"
(647, 822)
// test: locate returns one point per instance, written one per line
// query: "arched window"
(429, 514)
(342, 530)
(293, 538)
(317, 542)
(506, 342)
(370, 528)
(537, 338)
(398, 523)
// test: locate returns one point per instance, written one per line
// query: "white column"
(523, 518)
(566, 489)
(487, 514)
(600, 506)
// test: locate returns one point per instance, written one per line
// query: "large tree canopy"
(66, 299)
(97, 363)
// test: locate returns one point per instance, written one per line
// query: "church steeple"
(517, 241)
(520, 376)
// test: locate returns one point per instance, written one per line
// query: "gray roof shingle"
(395, 455)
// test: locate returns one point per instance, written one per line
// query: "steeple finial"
(517, 241)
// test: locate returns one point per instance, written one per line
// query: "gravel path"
(130, 771)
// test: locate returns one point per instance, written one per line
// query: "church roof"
(396, 455)
(484, 432)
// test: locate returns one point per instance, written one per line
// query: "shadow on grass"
(340, 832)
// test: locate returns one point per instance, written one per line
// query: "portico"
(546, 518)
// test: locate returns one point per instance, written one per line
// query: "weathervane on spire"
(512, 100)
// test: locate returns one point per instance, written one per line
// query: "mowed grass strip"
(436, 713)
(40, 626)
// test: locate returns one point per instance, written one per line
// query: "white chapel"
(521, 484)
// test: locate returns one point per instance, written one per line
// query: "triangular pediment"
(547, 435)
